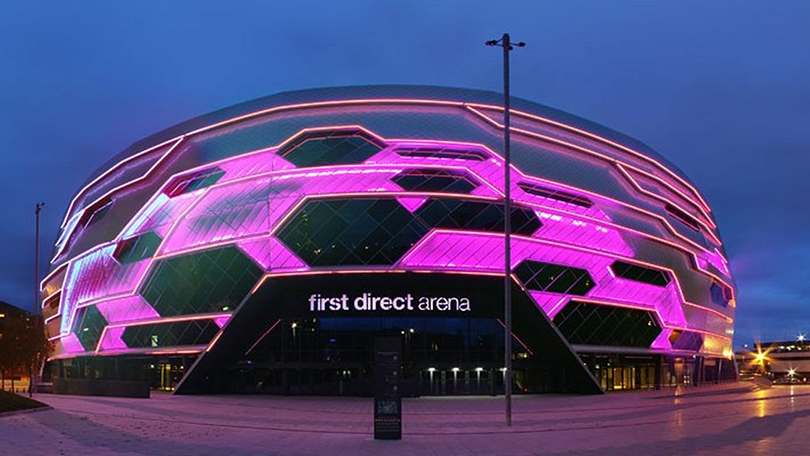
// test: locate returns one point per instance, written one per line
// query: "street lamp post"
(38, 209)
(506, 43)
(37, 305)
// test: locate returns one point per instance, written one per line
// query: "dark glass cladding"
(441, 162)
(88, 326)
(683, 217)
(137, 247)
(640, 273)
(721, 294)
(180, 333)
(351, 232)
(349, 340)
(330, 148)
(558, 195)
(194, 181)
(450, 154)
(686, 340)
(475, 216)
(209, 281)
(554, 278)
(91, 215)
(378, 231)
(98, 212)
(276, 334)
(435, 180)
(584, 323)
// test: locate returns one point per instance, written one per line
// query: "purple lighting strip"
(260, 190)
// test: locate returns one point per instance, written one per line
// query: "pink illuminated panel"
(95, 276)
(477, 252)
(272, 255)
(71, 344)
(111, 340)
(260, 190)
(126, 309)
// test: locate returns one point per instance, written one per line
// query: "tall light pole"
(37, 305)
(506, 43)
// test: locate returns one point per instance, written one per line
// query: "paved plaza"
(734, 419)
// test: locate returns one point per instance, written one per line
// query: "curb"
(24, 411)
(708, 392)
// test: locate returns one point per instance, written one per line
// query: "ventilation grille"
(639, 273)
(558, 195)
(435, 180)
(683, 217)
(194, 181)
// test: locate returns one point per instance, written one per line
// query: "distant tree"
(35, 348)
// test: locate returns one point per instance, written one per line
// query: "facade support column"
(659, 371)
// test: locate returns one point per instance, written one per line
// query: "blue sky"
(721, 88)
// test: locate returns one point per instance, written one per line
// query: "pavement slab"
(726, 419)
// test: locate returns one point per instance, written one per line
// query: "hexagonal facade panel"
(330, 147)
(209, 281)
(292, 230)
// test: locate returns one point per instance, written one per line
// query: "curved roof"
(382, 91)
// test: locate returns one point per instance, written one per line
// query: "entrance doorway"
(456, 381)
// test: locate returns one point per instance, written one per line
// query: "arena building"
(263, 247)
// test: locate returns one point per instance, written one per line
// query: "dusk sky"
(721, 88)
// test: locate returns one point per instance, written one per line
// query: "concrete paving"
(729, 419)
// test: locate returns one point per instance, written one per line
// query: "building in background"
(784, 362)
(263, 247)
(15, 324)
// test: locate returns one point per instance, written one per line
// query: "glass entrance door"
(458, 382)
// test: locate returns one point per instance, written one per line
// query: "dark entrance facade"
(333, 356)
(318, 334)
(314, 335)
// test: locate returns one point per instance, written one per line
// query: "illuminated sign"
(398, 303)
